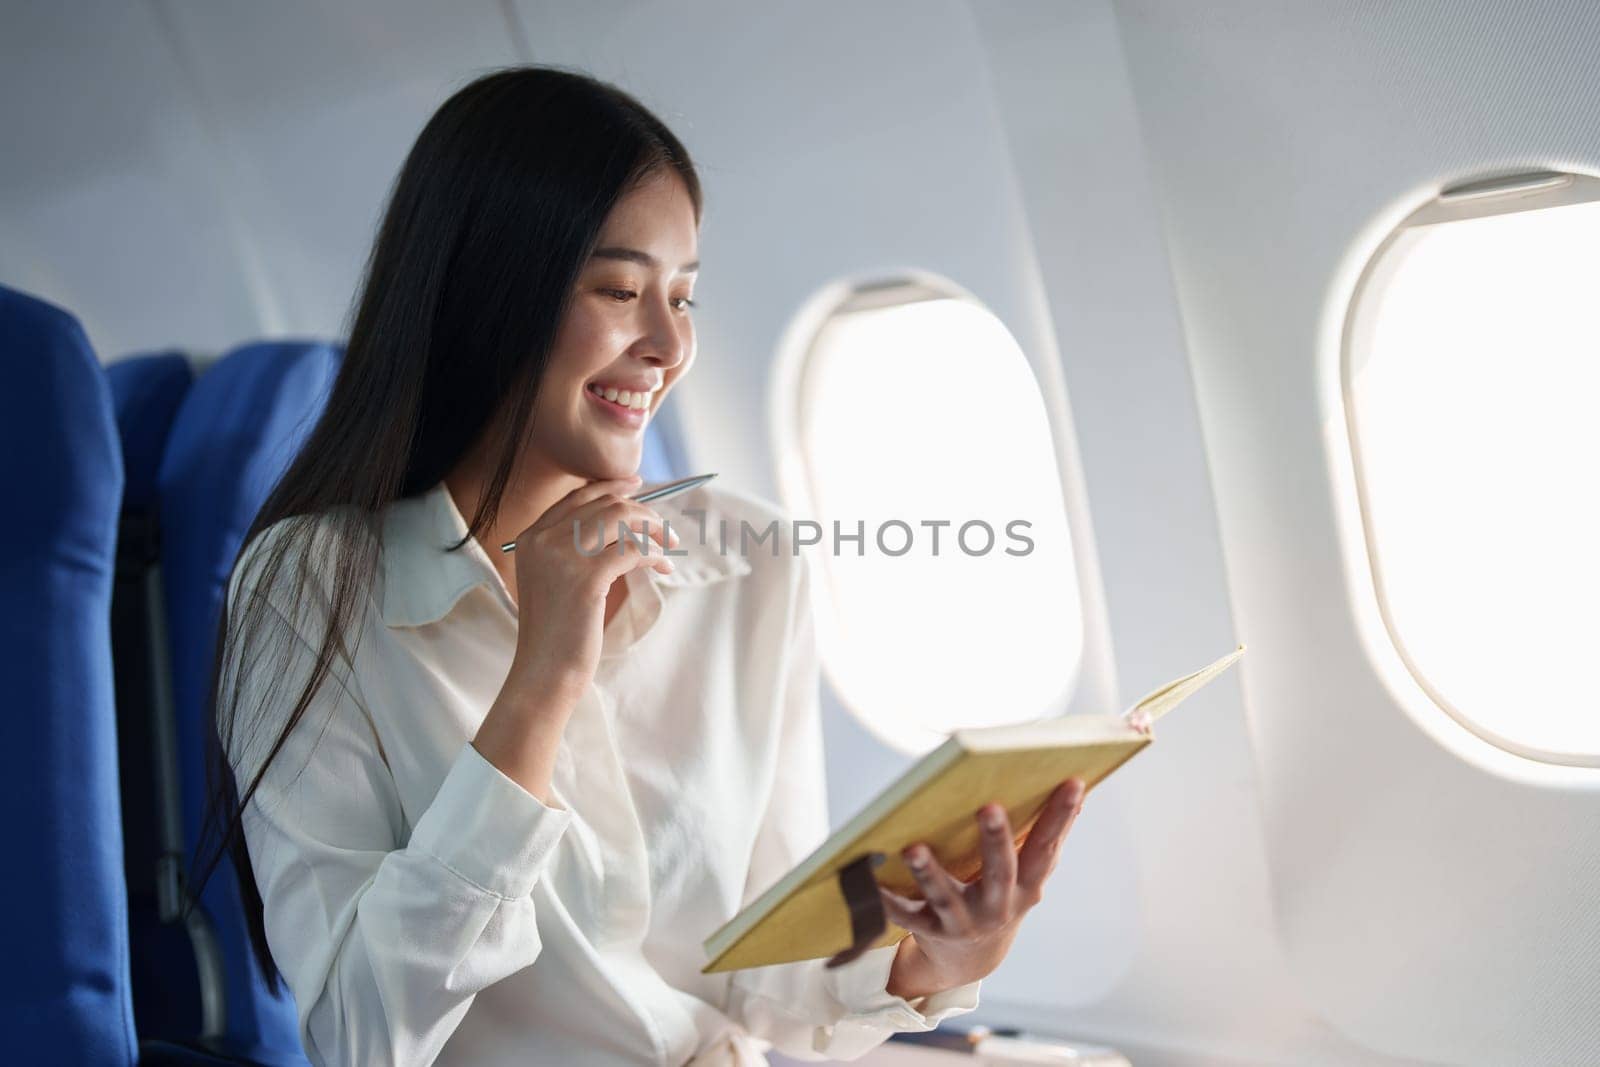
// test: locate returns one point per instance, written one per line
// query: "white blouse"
(425, 908)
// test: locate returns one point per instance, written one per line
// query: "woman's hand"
(561, 612)
(962, 930)
(561, 591)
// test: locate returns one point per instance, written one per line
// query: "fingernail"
(918, 857)
(992, 820)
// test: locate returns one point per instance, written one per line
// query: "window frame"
(794, 387)
(1502, 194)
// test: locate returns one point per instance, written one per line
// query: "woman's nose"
(668, 337)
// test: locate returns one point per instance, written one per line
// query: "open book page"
(1160, 701)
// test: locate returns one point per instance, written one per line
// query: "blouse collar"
(422, 581)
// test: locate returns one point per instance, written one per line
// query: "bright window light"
(928, 412)
(1473, 381)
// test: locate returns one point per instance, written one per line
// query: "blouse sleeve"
(383, 941)
(808, 1011)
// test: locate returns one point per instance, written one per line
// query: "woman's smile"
(620, 406)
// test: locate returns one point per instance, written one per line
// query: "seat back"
(168, 1001)
(64, 994)
(241, 425)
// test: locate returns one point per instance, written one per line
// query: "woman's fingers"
(594, 515)
(587, 493)
(644, 545)
(1039, 853)
(944, 894)
(626, 532)
(1012, 881)
(608, 518)
(560, 518)
(614, 565)
(999, 878)
(649, 530)
(913, 915)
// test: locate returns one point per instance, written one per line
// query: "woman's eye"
(683, 303)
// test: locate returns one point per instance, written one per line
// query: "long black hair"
(496, 209)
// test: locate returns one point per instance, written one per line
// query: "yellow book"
(805, 914)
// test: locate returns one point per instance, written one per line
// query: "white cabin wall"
(1434, 895)
(1210, 983)
(110, 202)
(311, 109)
(199, 174)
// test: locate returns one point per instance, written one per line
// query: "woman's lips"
(630, 417)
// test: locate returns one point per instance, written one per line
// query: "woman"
(492, 803)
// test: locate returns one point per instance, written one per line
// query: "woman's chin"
(614, 466)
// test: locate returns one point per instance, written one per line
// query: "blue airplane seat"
(235, 435)
(166, 958)
(64, 989)
(146, 391)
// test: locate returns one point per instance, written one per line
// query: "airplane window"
(1472, 372)
(920, 427)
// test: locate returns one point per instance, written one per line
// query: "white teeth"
(637, 400)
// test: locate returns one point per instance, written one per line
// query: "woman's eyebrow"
(635, 256)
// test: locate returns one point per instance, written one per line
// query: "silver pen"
(644, 495)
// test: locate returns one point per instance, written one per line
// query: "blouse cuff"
(489, 830)
(861, 986)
